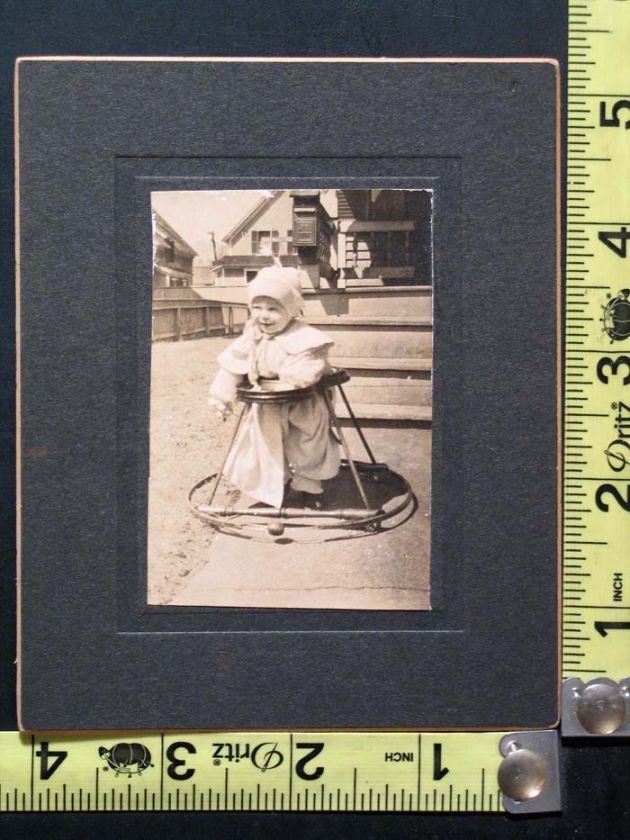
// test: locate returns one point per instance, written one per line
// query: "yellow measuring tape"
(309, 771)
(596, 585)
(389, 771)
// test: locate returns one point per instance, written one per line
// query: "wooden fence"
(183, 320)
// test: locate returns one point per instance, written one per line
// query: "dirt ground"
(187, 443)
(190, 564)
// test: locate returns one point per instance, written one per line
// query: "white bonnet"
(282, 284)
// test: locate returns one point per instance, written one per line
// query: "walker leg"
(356, 425)
(227, 452)
(346, 449)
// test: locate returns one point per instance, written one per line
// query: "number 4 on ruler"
(45, 769)
(608, 237)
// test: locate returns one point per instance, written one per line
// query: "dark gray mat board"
(93, 143)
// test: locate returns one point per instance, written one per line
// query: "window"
(379, 249)
(169, 251)
(265, 242)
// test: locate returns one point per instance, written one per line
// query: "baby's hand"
(223, 410)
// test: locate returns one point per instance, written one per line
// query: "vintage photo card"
(321, 300)
(288, 393)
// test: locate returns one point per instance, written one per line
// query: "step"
(388, 392)
(388, 386)
(385, 338)
(351, 363)
(390, 300)
(397, 300)
(389, 321)
(363, 411)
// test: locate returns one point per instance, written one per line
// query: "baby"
(284, 442)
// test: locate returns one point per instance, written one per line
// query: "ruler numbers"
(596, 573)
(340, 771)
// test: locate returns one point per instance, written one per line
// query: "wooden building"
(179, 312)
(384, 237)
(362, 238)
(172, 257)
(265, 231)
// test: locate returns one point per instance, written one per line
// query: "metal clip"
(529, 775)
(596, 709)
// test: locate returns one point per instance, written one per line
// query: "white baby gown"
(278, 440)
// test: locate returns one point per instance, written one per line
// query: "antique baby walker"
(287, 434)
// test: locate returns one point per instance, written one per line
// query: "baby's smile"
(269, 315)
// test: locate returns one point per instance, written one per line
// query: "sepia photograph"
(290, 413)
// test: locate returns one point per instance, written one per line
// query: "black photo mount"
(484, 137)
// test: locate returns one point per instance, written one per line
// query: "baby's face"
(269, 315)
